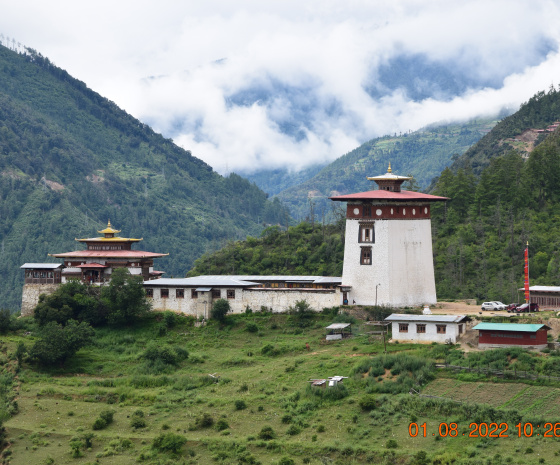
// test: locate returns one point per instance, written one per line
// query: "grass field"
(259, 407)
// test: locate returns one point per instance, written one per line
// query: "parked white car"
(490, 306)
(501, 306)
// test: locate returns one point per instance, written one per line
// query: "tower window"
(366, 211)
(366, 232)
(365, 256)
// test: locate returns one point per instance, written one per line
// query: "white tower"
(388, 256)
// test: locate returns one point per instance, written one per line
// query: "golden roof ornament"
(109, 229)
(389, 169)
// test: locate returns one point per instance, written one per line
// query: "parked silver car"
(490, 306)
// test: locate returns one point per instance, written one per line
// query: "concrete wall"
(279, 300)
(30, 296)
(431, 334)
(402, 264)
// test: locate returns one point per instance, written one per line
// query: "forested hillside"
(71, 160)
(480, 235)
(424, 154)
(540, 111)
(305, 249)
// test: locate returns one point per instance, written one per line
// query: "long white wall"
(277, 300)
(402, 264)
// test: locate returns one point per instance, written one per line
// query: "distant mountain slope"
(518, 131)
(424, 154)
(71, 159)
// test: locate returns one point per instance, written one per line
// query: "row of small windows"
(367, 211)
(105, 247)
(40, 274)
(180, 293)
(421, 328)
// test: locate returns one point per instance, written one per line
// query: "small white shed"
(427, 328)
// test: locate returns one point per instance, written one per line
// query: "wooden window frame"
(421, 328)
(179, 293)
(194, 294)
(365, 256)
(403, 327)
(361, 232)
(164, 293)
(366, 211)
(441, 329)
(149, 292)
(230, 293)
(216, 293)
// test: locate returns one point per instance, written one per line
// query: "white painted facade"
(274, 299)
(427, 328)
(401, 273)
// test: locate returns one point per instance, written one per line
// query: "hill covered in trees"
(305, 249)
(539, 112)
(424, 154)
(71, 159)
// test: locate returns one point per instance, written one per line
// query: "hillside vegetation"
(70, 160)
(163, 391)
(540, 111)
(305, 249)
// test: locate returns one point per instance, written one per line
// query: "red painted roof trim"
(108, 254)
(403, 196)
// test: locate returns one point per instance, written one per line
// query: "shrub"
(99, 423)
(267, 433)
(221, 425)
(169, 442)
(293, 430)
(391, 444)
(252, 328)
(367, 403)
(286, 461)
(137, 421)
(240, 405)
(204, 421)
(220, 309)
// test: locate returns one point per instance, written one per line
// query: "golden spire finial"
(109, 224)
(389, 169)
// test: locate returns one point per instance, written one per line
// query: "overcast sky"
(251, 84)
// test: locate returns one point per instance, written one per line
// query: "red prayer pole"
(527, 293)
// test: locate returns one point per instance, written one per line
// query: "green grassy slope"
(262, 370)
(70, 160)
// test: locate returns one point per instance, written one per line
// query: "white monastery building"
(387, 261)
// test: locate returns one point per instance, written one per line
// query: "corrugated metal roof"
(427, 318)
(520, 327)
(200, 281)
(273, 278)
(45, 266)
(338, 326)
(542, 289)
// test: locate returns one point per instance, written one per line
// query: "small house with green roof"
(496, 335)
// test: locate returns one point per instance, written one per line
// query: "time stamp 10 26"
(487, 430)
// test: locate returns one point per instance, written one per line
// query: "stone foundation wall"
(30, 296)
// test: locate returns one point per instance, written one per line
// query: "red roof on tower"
(389, 189)
(402, 196)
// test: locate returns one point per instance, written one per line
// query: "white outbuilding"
(427, 328)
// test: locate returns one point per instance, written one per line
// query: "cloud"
(251, 85)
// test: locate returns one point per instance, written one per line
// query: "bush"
(252, 328)
(267, 433)
(220, 309)
(293, 430)
(221, 425)
(286, 461)
(205, 421)
(99, 423)
(367, 403)
(392, 444)
(137, 421)
(169, 442)
(240, 405)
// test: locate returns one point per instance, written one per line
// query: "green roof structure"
(525, 328)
